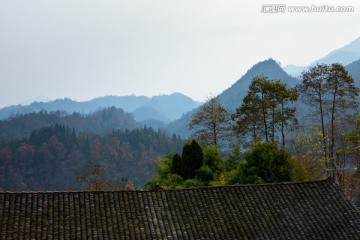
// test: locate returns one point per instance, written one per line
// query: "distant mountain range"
(160, 109)
(344, 55)
(173, 112)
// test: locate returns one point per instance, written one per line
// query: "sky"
(82, 49)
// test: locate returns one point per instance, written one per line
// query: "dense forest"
(58, 158)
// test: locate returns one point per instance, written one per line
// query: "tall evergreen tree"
(265, 109)
(193, 158)
(177, 166)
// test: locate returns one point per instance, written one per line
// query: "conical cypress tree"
(192, 158)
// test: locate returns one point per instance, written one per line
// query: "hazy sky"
(83, 49)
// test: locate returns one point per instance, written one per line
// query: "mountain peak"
(232, 97)
(264, 67)
(267, 68)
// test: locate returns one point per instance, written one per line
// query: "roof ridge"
(329, 179)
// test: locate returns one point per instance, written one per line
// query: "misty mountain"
(156, 124)
(344, 55)
(232, 97)
(146, 113)
(163, 108)
(101, 121)
(181, 125)
(354, 71)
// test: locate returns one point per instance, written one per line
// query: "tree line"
(204, 166)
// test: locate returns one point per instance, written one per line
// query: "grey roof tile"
(309, 210)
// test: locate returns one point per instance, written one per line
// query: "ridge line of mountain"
(344, 55)
(143, 108)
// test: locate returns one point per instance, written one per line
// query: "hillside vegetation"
(101, 121)
(56, 158)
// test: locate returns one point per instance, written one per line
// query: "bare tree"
(331, 93)
(211, 123)
(313, 93)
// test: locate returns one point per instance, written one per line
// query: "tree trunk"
(322, 126)
(331, 154)
(282, 125)
(264, 118)
(215, 135)
(273, 125)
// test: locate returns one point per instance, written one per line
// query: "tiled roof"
(309, 210)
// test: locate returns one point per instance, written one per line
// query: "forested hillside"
(104, 120)
(56, 158)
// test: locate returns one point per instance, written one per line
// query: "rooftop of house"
(307, 210)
